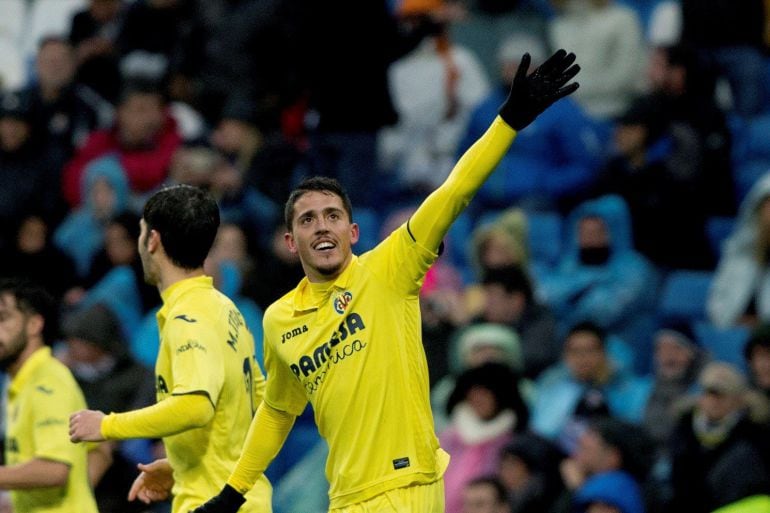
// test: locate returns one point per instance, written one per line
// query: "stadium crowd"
(597, 327)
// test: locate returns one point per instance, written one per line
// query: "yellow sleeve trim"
(173, 415)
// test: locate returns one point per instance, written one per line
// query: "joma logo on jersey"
(342, 301)
(299, 330)
(309, 363)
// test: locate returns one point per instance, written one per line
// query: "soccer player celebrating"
(208, 383)
(43, 470)
(347, 338)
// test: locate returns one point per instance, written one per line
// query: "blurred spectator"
(554, 160)
(740, 292)
(609, 467)
(263, 157)
(501, 243)
(678, 362)
(144, 138)
(529, 470)
(471, 347)
(28, 176)
(279, 270)
(601, 277)
(434, 87)
(587, 385)
(160, 37)
(96, 353)
(510, 301)
(104, 189)
(719, 450)
(686, 89)
(485, 495)
(757, 355)
(349, 98)
(34, 257)
(657, 171)
(729, 37)
(608, 38)
(486, 409)
(65, 111)
(93, 35)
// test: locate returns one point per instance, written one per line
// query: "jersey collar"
(172, 294)
(304, 299)
(28, 368)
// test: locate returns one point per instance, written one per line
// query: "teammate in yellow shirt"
(45, 472)
(207, 381)
(347, 339)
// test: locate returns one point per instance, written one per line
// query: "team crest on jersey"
(342, 301)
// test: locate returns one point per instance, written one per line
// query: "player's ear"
(288, 238)
(35, 324)
(354, 233)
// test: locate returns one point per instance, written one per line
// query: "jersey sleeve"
(283, 390)
(196, 358)
(54, 402)
(401, 261)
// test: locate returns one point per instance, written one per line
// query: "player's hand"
(154, 483)
(86, 426)
(228, 501)
(532, 94)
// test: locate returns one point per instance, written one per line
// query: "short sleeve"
(196, 359)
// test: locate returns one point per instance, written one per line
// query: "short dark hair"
(760, 337)
(493, 481)
(33, 299)
(512, 277)
(589, 327)
(318, 184)
(187, 219)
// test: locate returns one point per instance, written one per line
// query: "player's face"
(322, 235)
(13, 331)
(148, 267)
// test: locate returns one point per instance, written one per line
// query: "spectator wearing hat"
(97, 354)
(486, 410)
(470, 347)
(656, 170)
(609, 467)
(719, 447)
(757, 356)
(562, 150)
(29, 178)
(529, 470)
(677, 361)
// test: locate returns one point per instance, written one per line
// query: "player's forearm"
(36, 473)
(267, 433)
(173, 415)
(431, 221)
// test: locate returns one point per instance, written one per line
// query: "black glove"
(531, 95)
(228, 501)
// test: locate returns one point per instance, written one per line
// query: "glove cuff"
(231, 498)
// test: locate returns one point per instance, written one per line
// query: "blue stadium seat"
(458, 246)
(369, 228)
(723, 344)
(545, 237)
(717, 230)
(683, 296)
(747, 173)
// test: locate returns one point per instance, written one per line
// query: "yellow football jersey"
(368, 388)
(205, 347)
(41, 398)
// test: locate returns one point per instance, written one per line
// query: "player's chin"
(329, 268)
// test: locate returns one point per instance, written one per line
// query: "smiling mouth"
(324, 246)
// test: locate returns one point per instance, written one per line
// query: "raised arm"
(530, 95)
